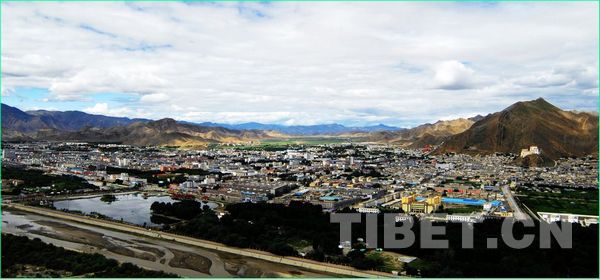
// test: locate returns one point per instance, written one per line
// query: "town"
(370, 178)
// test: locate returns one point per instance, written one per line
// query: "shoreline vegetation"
(31, 180)
(108, 198)
(20, 254)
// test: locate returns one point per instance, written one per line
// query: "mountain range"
(303, 130)
(17, 123)
(557, 132)
(166, 131)
(23, 122)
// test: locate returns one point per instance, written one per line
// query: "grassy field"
(538, 204)
(575, 201)
(308, 141)
(279, 144)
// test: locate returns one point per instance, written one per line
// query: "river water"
(131, 208)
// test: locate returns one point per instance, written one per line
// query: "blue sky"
(400, 64)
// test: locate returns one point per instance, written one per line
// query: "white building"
(532, 150)
(487, 206)
(122, 162)
(124, 176)
(444, 166)
(584, 220)
(188, 185)
(460, 218)
(368, 210)
(209, 180)
(402, 217)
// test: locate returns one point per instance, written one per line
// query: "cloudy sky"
(399, 64)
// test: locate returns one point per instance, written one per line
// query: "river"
(130, 208)
(150, 253)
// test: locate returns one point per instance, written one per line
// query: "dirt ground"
(191, 261)
(247, 267)
(73, 234)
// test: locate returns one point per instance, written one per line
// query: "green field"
(575, 202)
(308, 141)
(279, 144)
(538, 204)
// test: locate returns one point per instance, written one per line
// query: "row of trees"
(270, 227)
(186, 209)
(276, 227)
(37, 178)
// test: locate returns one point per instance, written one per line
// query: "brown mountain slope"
(162, 132)
(424, 134)
(558, 133)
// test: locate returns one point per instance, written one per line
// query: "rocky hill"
(556, 132)
(424, 134)
(161, 132)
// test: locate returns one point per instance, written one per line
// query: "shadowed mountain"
(17, 122)
(161, 132)
(557, 132)
(18, 125)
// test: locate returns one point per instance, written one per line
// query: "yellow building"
(435, 200)
(315, 183)
(428, 205)
(409, 199)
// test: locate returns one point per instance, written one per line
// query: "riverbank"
(153, 254)
(289, 261)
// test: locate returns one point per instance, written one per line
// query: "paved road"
(345, 271)
(518, 212)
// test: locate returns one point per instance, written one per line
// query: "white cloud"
(106, 109)
(544, 80)
(99, 108)
(128, 79)
(453, 75)
(356, 63)
(6, 91)
(154, 98)
(574, 76)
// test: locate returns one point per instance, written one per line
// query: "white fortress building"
(532, 150)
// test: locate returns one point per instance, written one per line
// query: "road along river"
(185, 256)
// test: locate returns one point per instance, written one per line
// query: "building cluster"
(368, 177)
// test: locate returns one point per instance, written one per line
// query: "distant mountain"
(75, 120)
(18, 122)
(557, 132)
(476, 118)
(161, 132)
(424, 134)
(306, 130)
